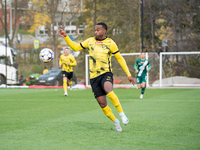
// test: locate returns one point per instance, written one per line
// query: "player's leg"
(139, 82)
(143, 86)
(100, 96)
(70, 79)
(107, 83)
(70, 84)
(115, 101)
(65, 86)
(65, 82)
(108, 112)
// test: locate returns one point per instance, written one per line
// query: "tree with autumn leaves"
(48, 12)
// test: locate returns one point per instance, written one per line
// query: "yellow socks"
(70, 83)
(65, 85)
(115, 101)
(108, 112)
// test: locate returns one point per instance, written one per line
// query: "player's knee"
(143, 86)
(102, 105)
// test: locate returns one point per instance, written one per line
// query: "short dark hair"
(103, 24)
(143, 52)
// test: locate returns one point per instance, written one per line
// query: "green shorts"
(141, 79)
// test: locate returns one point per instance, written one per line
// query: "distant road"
(27, 39)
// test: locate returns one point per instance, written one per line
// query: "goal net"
(168, 69)
(179, 69)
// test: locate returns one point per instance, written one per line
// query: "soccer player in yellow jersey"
(100, 50)
(67, 62)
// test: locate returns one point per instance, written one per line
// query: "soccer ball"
(46, 55)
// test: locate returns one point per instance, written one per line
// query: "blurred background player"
(67, 62)
(45, 70)
(142, 66)
(100, 49)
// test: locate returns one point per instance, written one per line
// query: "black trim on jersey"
(109, 64)
(102, 39)
(115, 52)
(82, 46)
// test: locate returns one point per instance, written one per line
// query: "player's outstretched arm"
(73, 63)
(124, 66)
(60, 62)
(73, 45)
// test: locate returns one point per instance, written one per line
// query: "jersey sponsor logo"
(142, 62)
(98, 42)
(142, 68)
(108, 78)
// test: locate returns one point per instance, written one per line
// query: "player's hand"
(147, 69)
(62, 33)
(60, 66)
(68, 63)
(131, 80)
(137, 71)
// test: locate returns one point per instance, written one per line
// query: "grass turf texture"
(45, 119)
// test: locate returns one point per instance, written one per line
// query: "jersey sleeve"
(122, 63)
(75, 46)
(149, 66)
(135, 66)
(113, 48)
(73, 63)
(84, 44)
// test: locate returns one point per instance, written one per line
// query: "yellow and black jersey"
(100, 53)
(64, 60)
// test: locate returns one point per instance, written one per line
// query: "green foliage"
(28, 69)
(122, 20)
(25, 32)
(45, 119)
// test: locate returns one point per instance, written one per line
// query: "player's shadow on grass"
(94, 126)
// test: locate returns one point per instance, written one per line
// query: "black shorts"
(98, 82)
(69, 75)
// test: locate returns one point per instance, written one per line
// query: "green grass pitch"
(37, 119)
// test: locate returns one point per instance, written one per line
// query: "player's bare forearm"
(131, 80)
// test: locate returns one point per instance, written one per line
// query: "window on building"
(46, 31)
(55, 23)
(80, 31)
(73, 31)
(41, 32)
(67, 31)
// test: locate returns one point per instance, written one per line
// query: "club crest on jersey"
(98, 42)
